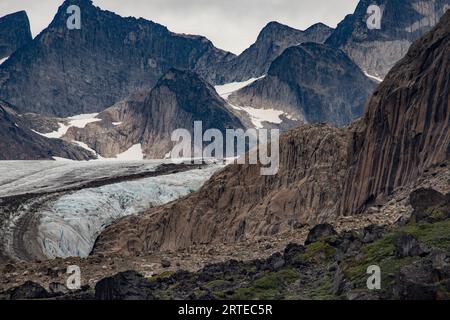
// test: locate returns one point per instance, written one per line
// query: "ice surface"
(75, 213)
(20, 177)
(70, 225)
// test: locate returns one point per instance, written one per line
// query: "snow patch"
(227, 89)
(117, 123)
(134, 153)
(3, 60)
(61, 159)
(79, 121)
(377, 79)
(86, 147)
(258, 116)
(82, 120)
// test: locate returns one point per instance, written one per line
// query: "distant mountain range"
(149, 118)
(273, 39)
(18, 142)
(311, 83)
(287, 78)
(402, 22)
(68, 72)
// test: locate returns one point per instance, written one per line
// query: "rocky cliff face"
(20, 143)
(67, 72)
(403, 21)
(271, 42)
(238, 203)
(149, 118)
(312, 83)
(14, 33)
(406, 127)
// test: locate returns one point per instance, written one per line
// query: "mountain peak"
(318, 84)
(377, 50)
(318, 26)
(186, 84)
(21, 13)
(273, 28)
(115, 56)
(15, 32)
(175, 75)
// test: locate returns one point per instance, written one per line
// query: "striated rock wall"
(406, 126)
(238, 203)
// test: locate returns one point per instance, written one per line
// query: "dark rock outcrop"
(28, 291)
(408, 246)
(20, 143)
(320, 231)
(312, 83)
(405, 130)
(124, 286)
(68, 72)
(178, 100)
(377, 50)
(273, 39)
(429, 204)
(14, 33)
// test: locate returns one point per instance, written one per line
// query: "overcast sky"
(231, 24)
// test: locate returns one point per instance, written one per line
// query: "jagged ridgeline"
(66, 72)
(14, 33)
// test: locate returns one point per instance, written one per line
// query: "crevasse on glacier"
(70, 225)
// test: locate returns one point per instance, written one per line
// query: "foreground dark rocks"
(123, 286)
(320, 231)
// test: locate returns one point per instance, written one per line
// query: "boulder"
(320, 231)
(28, 291)
(408, 246)
(128, 285)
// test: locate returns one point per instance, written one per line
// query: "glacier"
(73, 216)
